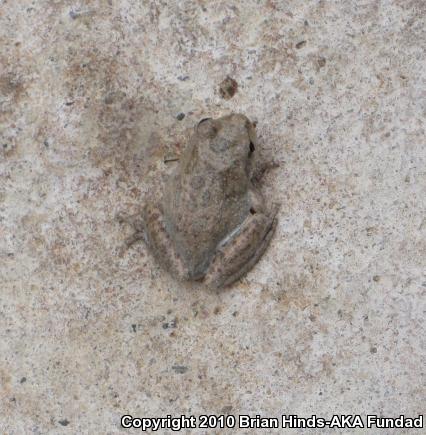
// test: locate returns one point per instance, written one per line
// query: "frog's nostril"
(252, 210)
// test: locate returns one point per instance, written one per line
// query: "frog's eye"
(203, 120)
(207, 128)
(252, 148)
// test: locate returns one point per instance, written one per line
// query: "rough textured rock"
(332, 320)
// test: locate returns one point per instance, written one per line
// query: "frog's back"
(207, 196)
(198, 215)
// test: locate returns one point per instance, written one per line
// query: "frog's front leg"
(136, 222)
(240, 251)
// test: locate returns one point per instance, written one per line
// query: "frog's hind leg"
(160, 243)
(150, 227)
(240, 251)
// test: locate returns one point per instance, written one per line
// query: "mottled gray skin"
(211, 224)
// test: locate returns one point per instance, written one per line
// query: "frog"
(210, 223)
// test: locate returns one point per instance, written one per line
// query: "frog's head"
(232, 137)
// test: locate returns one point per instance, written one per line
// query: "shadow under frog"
(210, 223)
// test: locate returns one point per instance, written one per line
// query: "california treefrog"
(210, 223)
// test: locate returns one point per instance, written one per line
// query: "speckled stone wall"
(94, 95)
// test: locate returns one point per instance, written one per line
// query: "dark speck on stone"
(134, 327)
(183, 78)
(5, 145)
(23, 380)
(321, 62)
(180, 116)
(373, 349)
(180, 369)
(300, 44)
(64, 422)
(228, 88)
(171, 324)
(46, 143)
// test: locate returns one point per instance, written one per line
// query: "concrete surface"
(332, 320)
